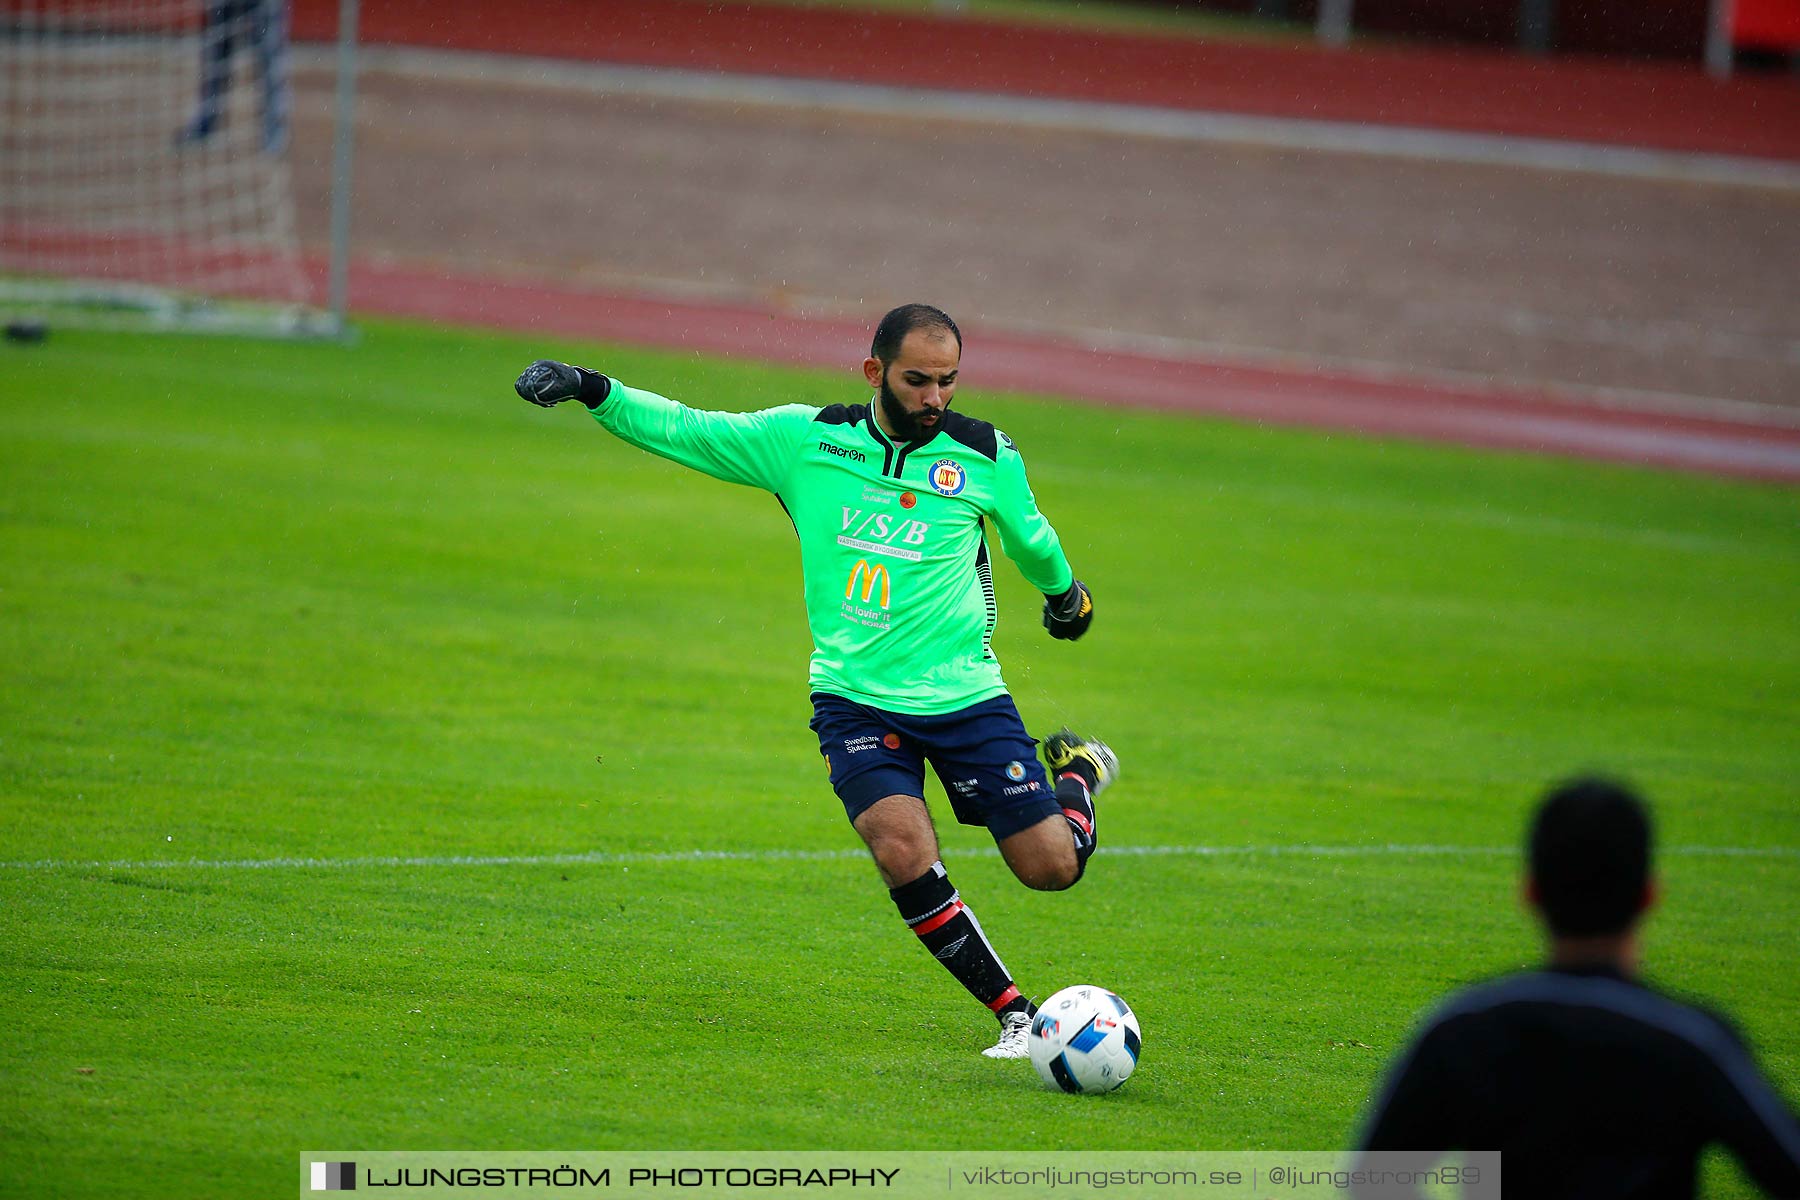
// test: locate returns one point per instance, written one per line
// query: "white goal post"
(144, 178)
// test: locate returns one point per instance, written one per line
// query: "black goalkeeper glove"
(1068, 616)
(547, 383)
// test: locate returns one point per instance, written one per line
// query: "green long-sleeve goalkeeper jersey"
(899, 591)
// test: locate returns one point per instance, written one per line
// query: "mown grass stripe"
(635, 858)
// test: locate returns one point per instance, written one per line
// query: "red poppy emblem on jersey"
(907, 499)
(891, 741)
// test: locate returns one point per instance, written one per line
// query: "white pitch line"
(635, 858)
(1086, 116)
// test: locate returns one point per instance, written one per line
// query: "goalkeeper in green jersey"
(890, 500)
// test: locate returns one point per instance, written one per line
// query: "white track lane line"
(636, 858)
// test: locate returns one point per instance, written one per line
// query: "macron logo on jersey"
(844, 452)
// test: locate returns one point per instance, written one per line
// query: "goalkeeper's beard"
(905, 424)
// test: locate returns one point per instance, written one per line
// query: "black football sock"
(932, 909)
(1075, 792)
(1018, 1004)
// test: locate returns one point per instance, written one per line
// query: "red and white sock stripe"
(1004, 998)
(941, 917)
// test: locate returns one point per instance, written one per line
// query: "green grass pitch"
(265, 602)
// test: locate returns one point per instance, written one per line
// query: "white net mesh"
(142, 161)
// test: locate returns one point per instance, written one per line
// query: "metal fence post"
(1718, 39)
(343, 141)
(1537, 26)
(1334, 21)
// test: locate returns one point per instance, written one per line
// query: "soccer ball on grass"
(1085, 1039)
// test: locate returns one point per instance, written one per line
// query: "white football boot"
(1015, 1037)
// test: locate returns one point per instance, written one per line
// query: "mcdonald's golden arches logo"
(868, 576)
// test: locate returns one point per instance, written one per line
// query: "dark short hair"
(1590, 857)
(903, 320)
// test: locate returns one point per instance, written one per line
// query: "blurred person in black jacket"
(1591, 1084)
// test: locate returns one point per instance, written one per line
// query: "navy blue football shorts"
(982, 755)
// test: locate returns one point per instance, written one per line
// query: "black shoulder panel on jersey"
(978, 436)
(841, 414)
(788, 513)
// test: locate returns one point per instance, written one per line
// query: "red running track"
(1493, 418)
(1513, 419)
(1664, 106)
(1668, 106)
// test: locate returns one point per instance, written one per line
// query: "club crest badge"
(948, 477)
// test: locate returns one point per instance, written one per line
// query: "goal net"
(143, 166)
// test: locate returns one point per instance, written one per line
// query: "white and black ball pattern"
(1085, 1039)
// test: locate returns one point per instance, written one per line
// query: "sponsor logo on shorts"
(965, 787)
(859, 744)
(891, 741)
(947, 477)
(1019, 789)
(843, 452)
(1015, 771)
